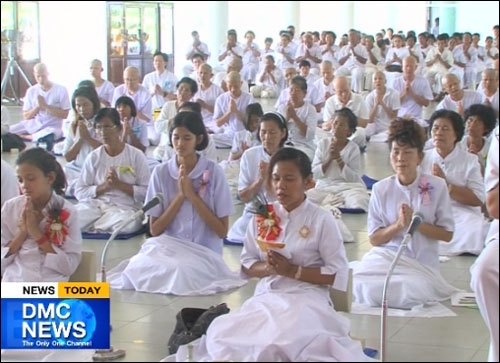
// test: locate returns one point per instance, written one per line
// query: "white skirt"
(167, 265)
(298, 324)
(412, 283)
(470, 233)
(348, 195)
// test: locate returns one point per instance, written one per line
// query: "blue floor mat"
(351, 210)
(231, 243)
(370, 352)
(368, 181)
(123, 236)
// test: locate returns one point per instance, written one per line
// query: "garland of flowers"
(56, 228)
(268, 228)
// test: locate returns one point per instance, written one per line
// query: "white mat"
(431, 310)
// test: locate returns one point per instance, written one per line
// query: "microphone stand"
(102, 355)
(403, 245)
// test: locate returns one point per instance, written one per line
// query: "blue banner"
(52, 323)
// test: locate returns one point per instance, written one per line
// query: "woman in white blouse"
(290, 317)
(462, 173)
(301, 118)
(336, 167)
(417, 279)
(272, 132)
(114, 179)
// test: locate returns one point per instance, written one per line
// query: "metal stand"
(9, 73)
(102, 355)
(403, 245)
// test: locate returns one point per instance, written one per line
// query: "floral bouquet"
(268, 228)
(56, 228)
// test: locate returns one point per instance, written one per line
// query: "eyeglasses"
(104, 127)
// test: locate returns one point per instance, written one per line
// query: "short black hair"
(443, 36)
(194, 123)
(191, 106)
(125, 100)
(110, 113)
(193, 86)
(332, 33)
(305, 63)
(352, 120)
(299, 81)
(163, 55)
(279, 120)
(456, 121)
(485, 113)
(299, 158)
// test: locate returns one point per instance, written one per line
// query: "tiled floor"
(142, 323)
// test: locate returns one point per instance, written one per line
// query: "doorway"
(136, 31)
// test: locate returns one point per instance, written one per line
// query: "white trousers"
(484, 281)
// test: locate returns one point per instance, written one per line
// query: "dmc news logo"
(55, 315)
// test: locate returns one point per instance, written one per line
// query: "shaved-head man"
(46, 104)
(457, 100)
(415, 91)
(141, 97)
(345, 98)
(103, 87)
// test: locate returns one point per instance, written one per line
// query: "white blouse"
(435, 206)
(130, 165)
(311, 238)
(350, 156)
(30, 264)
(462, 169)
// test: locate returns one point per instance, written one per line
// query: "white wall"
(72, 34)
(477, 17)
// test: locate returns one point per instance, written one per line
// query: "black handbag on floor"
(192, 323)
(12, 141)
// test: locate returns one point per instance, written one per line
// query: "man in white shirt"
(457, 100)
(230, 110)
(141, 97)
(161, 83)
(325, 85)
(206, 96)
(343, 98)
(415, 91)
(435, 28)
(330, 51)
(103, 87)
(352, 58)
(312, 95)
(46, 104)
(384, 104)
(373, 62)
(229, 51)
(459, 60)
(438, 62)
(489, 88)
(306, 72)
(197, 47)
(269, 80)
(471, 59)
(310, 52)
(287, 50)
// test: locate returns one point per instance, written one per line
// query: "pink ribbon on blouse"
(204, 183)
